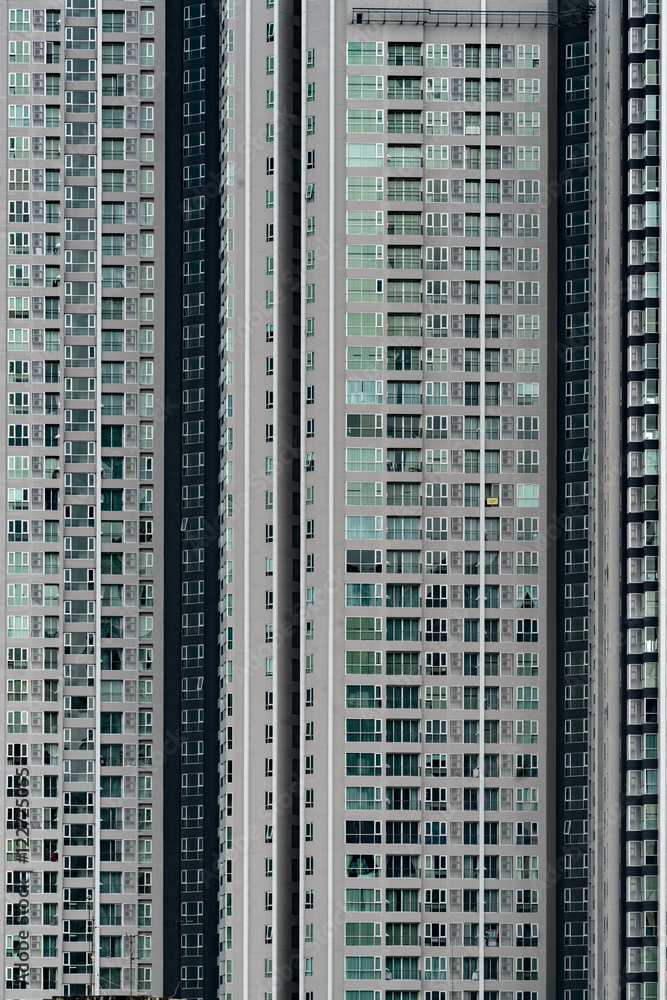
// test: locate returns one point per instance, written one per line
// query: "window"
(528, 393)
(576, 88)
(528, 157)
(358, 121)
(365, 256)
(528, 123)
(528, 90)
(19, 147)
(364, 54)
(19, 83)
(528, 56)
(365, 154)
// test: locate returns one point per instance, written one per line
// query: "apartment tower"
(83, 351)
(392, 636)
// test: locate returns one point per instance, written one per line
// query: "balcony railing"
(404, 466)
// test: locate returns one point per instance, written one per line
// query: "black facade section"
(191, 494)
(572, 759)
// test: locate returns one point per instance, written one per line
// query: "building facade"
(194, 353)
(379, 383)
(397, 283)
(572, 526)
(83, 221)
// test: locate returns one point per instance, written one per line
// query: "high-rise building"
(405, 302)
(368, 309)
(83, 438)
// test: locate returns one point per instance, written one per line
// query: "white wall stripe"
(332, 481)
(302, 516)
(246, 506)
(482, 469)
(98, 523)
(276, 513)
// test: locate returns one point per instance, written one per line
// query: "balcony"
(78, 963)
(407, 567)
(407, 501)
(403, 364)
(404, 432)
(404, 534)
(403, 397)
(407, 466)
(411, 870)
(404, 128)
(406, 262)
(404, 229)
(402, 162)
(404, 89)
